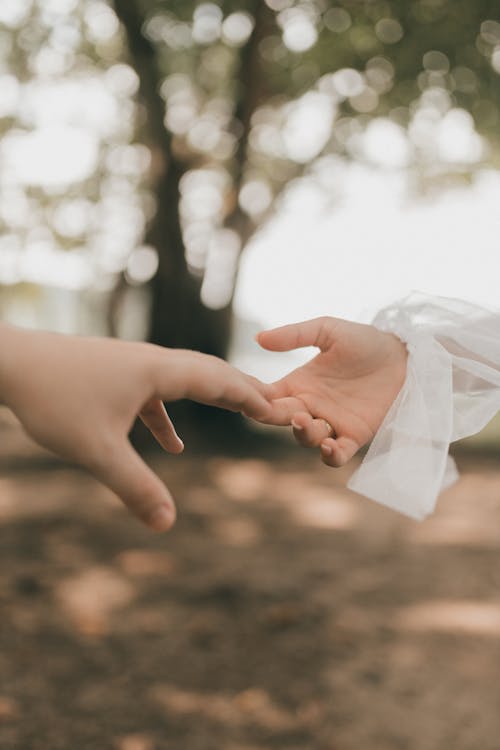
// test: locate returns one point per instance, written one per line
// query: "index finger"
(209, 380)
(282, 410)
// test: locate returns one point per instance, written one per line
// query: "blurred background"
(189, 173)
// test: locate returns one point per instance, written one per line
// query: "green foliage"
(349, 34)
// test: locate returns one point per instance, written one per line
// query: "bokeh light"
(389, 30)
(324, 80)
(142, 264)
(221, 265)
(237, 27)
(299, 29)
(207, 23)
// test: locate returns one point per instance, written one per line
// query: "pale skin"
(339, 398)
(79, 397)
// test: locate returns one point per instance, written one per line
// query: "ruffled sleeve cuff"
(452, 390)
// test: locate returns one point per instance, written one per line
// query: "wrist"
(399, 358)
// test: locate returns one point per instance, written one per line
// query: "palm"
(351, 383)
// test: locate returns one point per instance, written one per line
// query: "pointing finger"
(207, 380)
(281, 411)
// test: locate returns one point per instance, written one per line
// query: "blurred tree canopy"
(219, 106)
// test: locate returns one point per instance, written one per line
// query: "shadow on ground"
(281, 612)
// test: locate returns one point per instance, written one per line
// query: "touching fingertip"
(162, 519)
(326, 450)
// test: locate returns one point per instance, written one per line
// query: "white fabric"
(452, 390)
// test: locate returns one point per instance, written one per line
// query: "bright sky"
(376, 245)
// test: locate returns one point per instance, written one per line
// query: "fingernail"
(296, 426)
(326, 450)
(162, 518)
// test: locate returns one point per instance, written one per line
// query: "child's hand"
(340, 397)
(79, 397)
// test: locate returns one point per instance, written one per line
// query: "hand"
(339, 399)
(79, 398)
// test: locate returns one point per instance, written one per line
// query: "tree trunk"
(178, 317)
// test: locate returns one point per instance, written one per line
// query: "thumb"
(144, 494)
(316, 332)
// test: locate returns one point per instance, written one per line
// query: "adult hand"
(339, 399)
(79, 398)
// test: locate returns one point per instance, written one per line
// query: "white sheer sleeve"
(452, 390)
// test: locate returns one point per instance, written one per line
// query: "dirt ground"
(281, 613)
